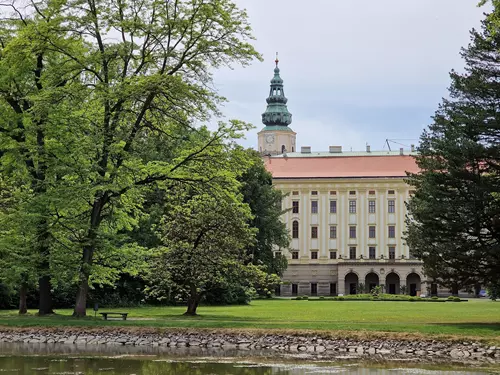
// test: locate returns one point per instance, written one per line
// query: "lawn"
(476, 319)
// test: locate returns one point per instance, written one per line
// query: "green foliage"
(298, 298)
(454, 215)
(90, 124)
(450, 298)
(412, 299)
(456, 299)
(266, 207)
(435, 297)
(494, 291)
(376, 291)
(305, 297)
(204, 237)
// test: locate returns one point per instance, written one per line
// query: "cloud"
(354, 71)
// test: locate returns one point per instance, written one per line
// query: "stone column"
(341, 286)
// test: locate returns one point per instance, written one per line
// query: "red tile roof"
(341, 166)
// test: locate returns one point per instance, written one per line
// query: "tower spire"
(277, 112)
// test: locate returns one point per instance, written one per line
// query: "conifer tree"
(454, 215)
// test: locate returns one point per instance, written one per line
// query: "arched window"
(293, 150)
(283, 149)
(295, 229)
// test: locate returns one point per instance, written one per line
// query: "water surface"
(27, 359)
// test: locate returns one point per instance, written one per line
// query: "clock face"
(270, 139)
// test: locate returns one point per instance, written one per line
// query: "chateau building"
(346, 211)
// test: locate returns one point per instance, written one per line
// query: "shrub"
(305, 297)
(340, 298)
(412, 299)
(435, 297)
(321, 297)
(450, 298)
(456, 299)
(298, 299)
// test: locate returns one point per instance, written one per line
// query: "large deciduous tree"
(142, 70)
(454, 216)
(204, 246)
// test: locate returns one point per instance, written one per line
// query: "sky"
(356, 72)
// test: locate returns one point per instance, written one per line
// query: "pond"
(26, 359)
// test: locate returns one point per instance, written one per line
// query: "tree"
(454, 215)
(266, 205)
(204, 246)
(144, 70)
(34, 78)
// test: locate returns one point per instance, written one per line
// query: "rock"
(456, 353)
(320, 349)
(372, 351)
(383, 351)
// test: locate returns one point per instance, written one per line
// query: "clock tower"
(276, 138)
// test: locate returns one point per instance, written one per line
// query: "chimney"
(305, 149)
(412, 148)
(368, 148)
(335, 149)
(401, 151)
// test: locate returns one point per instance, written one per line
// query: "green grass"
(478, 319)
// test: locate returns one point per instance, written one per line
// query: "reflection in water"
(62, 360)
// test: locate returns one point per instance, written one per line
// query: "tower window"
(283, 149)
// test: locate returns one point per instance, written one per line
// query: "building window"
(333, 207)
(371, 192)
(314, 232)
(392, 231)
(314, 192)
(295, 229)
(314, 255)
(333, 289)
(277, 291)
(333, 192)
(371, 231)
(352, 207)
(352, 232)
(371, 207)
(392, 252)
(295, 255)
(352, 192)
(333, 231)
(314, 207)
(314, 289)
(295, 207)
(333, 255)
(295, 289)
(372, 254)
(391, 206)
(352, 252)
(390, 192)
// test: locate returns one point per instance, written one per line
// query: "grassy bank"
(476, 319)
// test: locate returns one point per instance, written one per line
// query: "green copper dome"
(277, 112)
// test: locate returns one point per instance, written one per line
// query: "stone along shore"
(308, 345)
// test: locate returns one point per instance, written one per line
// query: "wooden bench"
(105, 315)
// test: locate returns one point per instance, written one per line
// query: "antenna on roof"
(395, 141)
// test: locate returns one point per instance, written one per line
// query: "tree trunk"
(23, 307)
(87, 258)
(192, 304)
(81, 297)
(46, 304)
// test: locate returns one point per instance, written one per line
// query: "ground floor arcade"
(353, 278)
